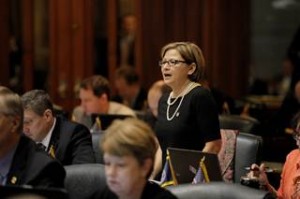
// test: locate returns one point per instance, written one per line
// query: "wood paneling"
(112, 20)
(27, 43)
(220, 28)
(71, 48)
(4, 41)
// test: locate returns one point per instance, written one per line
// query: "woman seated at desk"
(129, 148)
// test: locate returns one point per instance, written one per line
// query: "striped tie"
(41, 147)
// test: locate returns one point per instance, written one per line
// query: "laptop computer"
(107, 119)
(186, 163)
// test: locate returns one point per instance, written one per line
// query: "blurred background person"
(15, 65)
(225, 103)
(280, 85)
(129, 148)
(21, 163)
(293, 54)
(281, 121)
(129, 89)
(127, 40)
(95, 96)
(155, 92)
(67, 141)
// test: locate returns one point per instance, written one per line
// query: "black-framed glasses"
(171, 62)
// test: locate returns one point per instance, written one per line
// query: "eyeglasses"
(171, 62)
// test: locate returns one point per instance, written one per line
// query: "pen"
(267, 169)
(252, 169)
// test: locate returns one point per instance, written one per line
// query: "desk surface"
(270, 101)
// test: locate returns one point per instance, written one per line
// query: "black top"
(195, 124)
(151, 191)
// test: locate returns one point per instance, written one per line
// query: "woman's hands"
(258, 172)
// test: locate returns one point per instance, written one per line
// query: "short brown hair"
(130, 136)
(191, 53)
(98, 84)
(38, 101)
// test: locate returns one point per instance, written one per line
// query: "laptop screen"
(186, 163)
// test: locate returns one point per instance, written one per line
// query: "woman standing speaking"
(187, 116)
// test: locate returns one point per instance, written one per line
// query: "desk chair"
(218, 190)
(83, 180)
(14, 192)
(96, 137)
(248, 151)
(237, 122)
(239, 153)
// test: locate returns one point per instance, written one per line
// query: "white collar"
(47, 139)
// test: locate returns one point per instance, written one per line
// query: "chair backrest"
(227, 152)
(218, 190)
(83, 180)
(237, 122)
(96, 137)
(13, 192)
(248, 151)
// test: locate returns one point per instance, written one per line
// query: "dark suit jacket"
(72, 143)
(32, 167)
(140, 100)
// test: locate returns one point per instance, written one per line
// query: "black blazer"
(140, 100)
(33, 167)
(71, 143)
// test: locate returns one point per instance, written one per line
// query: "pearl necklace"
(190, 86)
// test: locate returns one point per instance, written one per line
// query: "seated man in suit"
(94, 94)
(68, 142)
(20, 161)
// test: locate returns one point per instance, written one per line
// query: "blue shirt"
(5, 164)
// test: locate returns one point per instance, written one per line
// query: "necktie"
(41, 147)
